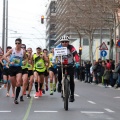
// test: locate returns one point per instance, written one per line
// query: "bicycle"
(66, 85)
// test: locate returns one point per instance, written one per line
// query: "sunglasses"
(64, 41)
(17, 43)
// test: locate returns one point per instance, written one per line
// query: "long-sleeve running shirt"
(71, 54)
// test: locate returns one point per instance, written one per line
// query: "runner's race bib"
(39, 65)
(16, 60)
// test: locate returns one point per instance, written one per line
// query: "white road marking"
(117, 97)
(91, 102)
(4, 111)
(92, 112)
(108, 110)
(109, 118)
(76, 95)
(46, 111)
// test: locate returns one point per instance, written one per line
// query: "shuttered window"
(85, 41)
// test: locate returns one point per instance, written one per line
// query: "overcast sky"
(24, 22)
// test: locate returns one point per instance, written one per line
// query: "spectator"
(102, 70)
(91, 74)
(1, 66)
(112, 81)
(82, 72)
(77, 71)
(106, 76)
(87, 70)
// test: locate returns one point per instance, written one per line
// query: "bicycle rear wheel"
(66, 92)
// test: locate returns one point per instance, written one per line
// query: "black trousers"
(70, 71)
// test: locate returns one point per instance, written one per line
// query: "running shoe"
(21, 99)
(28, 96)
(25, 93)
(36, 94)
(51, 92)
(59, 88)
(43, 91)
(13, 95)
(46, 87)
(40, 93)
(71, 99)
(16, 102)
(7, 95)
(54, 87)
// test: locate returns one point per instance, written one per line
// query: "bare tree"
(86, 16)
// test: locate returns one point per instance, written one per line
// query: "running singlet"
(5, 66)
(16, 58)
(39, 63)
(52, 60)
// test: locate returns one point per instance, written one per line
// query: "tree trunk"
(91, 48)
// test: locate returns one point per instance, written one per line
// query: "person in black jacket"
(1, 68)
(87, 70)
(82, 73)
(99, 77)
(112, 81)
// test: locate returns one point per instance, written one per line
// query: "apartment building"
(50, 24)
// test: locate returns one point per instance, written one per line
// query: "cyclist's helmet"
(64, 38)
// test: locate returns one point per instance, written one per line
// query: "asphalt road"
(92, 102)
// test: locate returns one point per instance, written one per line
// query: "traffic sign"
(103, 46)
(103, 53)
(60, 51)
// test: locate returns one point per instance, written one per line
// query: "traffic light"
(42, 19)
(80, 51)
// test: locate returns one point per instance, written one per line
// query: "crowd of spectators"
(101, 72)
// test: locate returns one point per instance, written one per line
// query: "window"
(85, 41)
(52, 27)
(53, 7)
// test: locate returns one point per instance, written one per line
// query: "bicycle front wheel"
(66, 92)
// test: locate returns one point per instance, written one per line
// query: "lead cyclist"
(71, 54)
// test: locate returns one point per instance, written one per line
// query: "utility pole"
(6, 44)
(3, 28)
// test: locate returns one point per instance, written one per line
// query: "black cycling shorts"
(25, 71)
(46, 73)
(39, 73)
(6, 71)
(14, 70)
(30, 73)
(54, 70)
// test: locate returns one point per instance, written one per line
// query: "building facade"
(50, 24)
(63, 25)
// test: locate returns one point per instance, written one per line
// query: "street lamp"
(3, 27)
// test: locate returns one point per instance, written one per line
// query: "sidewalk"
(100, 85)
